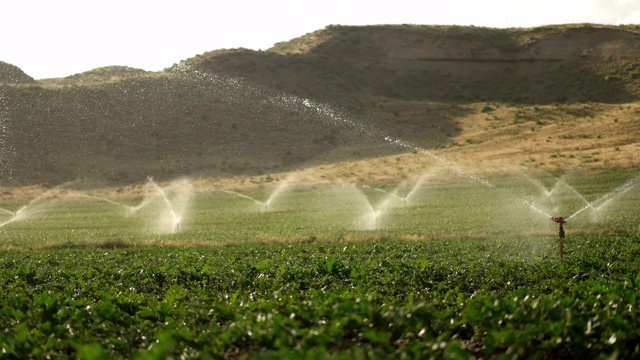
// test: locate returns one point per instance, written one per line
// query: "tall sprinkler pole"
(561, 220)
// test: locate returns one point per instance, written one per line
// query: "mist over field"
(390, 191)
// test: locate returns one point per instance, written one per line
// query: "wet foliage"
(385, 299)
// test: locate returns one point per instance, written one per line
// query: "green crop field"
(446, 268)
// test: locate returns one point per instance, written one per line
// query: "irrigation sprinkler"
(561, 220)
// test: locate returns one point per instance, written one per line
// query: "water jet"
(264, 205)
(170, 204)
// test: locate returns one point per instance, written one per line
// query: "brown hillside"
(12, 74)
(163, 125)
(574, 63)
(99, 76)
(551, 97)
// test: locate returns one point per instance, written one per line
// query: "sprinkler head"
(560, 219)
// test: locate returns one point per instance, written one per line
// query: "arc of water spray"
(394, 193)
(416, 186)
(245, 197)
(281, 187)
(597, 204)
(548, 193)
(606, 198)
(575, 192)
(326, 110)
(145, 200)
(541, 186)
(8, 221)
(13, 218)
(391, 194)
(446, 162)
(174, 215)
(535, 208)
(109, 201)
(600, 206)
(372, 214)
(377, 213)
(20, 213)
(7, 211)
(333, 115)
(17, 216)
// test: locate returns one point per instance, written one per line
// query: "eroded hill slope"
(331, 96)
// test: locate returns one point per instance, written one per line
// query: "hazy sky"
(56, 38)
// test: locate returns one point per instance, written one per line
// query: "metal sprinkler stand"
(561, 220)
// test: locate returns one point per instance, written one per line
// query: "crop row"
(381, 299)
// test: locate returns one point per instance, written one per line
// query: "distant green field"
(451, 207)
(456, 270)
